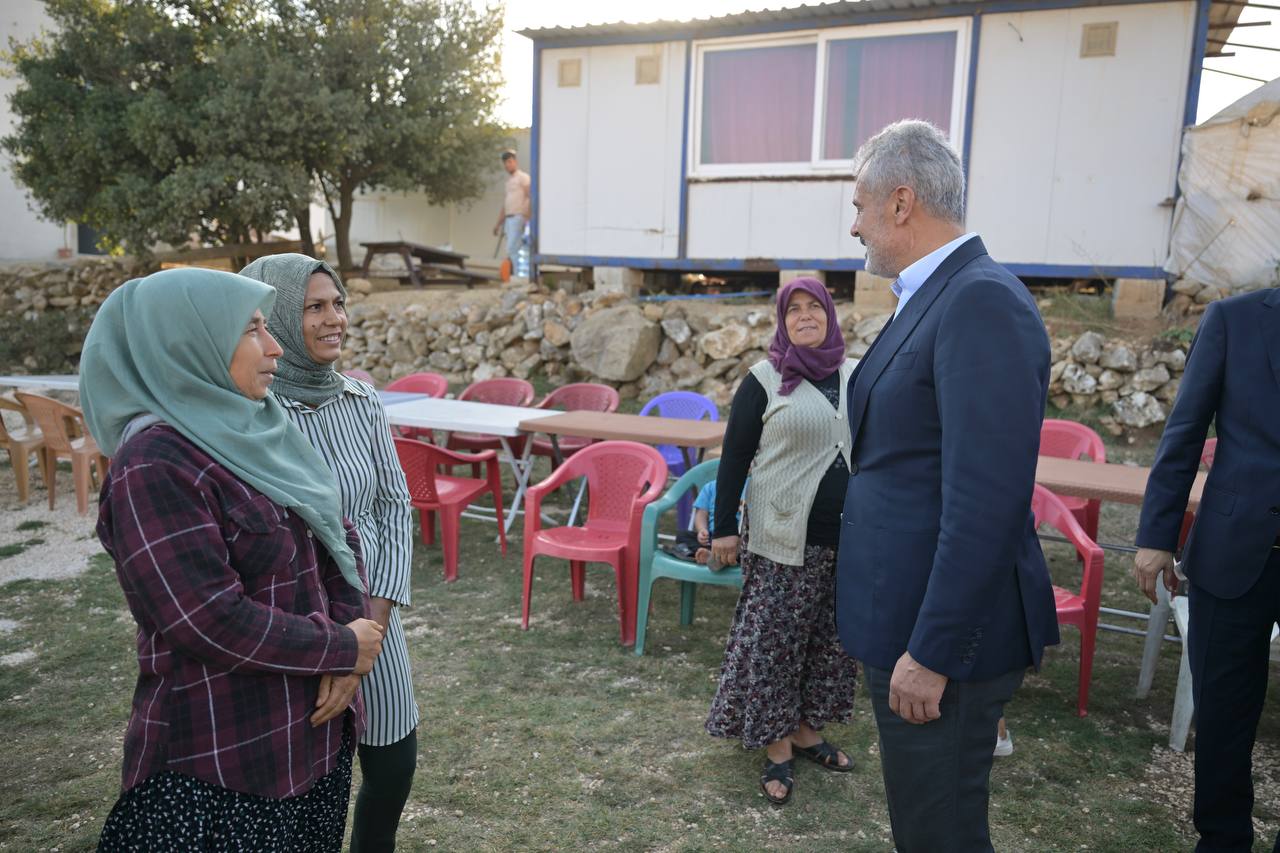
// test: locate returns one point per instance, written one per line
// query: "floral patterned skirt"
(173, 813)
(783, 664)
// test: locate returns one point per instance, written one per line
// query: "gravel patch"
(67, 538)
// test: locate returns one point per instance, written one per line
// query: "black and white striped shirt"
(352, 434)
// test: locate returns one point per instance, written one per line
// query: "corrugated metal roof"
(1221, 13)
(815, 12)
(1222, 22)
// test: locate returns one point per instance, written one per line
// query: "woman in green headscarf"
(248, 591)
(344, 420)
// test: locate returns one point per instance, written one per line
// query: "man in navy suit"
(942, 590)
(1231, 557)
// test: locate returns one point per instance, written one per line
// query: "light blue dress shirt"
(913, 277)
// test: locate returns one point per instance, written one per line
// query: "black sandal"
(784, 772)
(825, 755)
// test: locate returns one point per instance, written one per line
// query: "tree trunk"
(303, 217)
(342, 225)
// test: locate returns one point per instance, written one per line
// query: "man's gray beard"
(875, 266)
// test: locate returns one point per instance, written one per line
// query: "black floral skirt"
(783, 664)
(178, 813)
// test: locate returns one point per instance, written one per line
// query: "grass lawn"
(561, 739)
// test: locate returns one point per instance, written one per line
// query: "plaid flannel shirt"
(239, 610)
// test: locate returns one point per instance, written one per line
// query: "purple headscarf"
(812, 363)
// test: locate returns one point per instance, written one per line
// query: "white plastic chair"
(1184, 700)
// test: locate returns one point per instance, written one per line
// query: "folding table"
(611, 426)
(504, 422)
(57, 383)
(1107, 481)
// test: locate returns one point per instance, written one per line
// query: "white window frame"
(710, 170)
(816, 165)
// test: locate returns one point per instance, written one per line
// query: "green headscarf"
(298, 377)
(162, 346)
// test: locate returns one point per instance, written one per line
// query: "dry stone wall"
(642, 349)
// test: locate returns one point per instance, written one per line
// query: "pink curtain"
(874, 82)
(757, 105)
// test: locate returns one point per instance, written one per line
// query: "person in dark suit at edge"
(942, 590)
(1232, 557)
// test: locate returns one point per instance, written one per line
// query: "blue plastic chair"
(691, 407)
(656, 564)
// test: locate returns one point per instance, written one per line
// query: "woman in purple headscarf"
(784, 674)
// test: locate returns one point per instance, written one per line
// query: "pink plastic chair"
(577, 397)
(431, 384)
(1070, 440)
(360, 375)
(1075, 608)
(623, 477)
(506, 391)
(431, 492)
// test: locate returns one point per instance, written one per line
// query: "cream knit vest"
(802, 435)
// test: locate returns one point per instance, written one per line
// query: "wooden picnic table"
(448, 266)
(1107, 481)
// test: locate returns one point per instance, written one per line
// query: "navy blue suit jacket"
(1233, 376)
(938, 549)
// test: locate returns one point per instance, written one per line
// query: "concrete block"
(785, 277)
(624, 280)
(871, 294)
(1137, 298)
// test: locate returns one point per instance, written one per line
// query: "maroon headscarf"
(812, 363)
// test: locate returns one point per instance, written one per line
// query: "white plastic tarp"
(1226, 228)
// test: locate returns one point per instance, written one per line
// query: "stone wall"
(45, 311)
(1134, 383)
(642, 348)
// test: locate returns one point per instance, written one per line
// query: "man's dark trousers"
(1229, 643)
(935, 774)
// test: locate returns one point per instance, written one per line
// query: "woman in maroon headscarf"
(784, 674)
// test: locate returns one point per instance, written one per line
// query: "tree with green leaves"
(427, 73)
(152, 121)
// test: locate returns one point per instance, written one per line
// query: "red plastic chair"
(360, 375)
(623, 477)
(1078, 609)
(577, 397)
(1070, 440)
(1206, 461)
(431, 492)
(506, 391)
(1206, 455)
(431, 384)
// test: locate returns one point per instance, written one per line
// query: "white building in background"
(465, 227)
(24, 236)
(725, 143)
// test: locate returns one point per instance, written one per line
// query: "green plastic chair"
(656, 564)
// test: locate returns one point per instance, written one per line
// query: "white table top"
(57, 383)
(463, 416)
(391, 398)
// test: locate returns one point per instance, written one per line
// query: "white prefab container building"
(725, 143)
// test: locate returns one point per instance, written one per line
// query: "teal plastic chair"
(656, 564)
